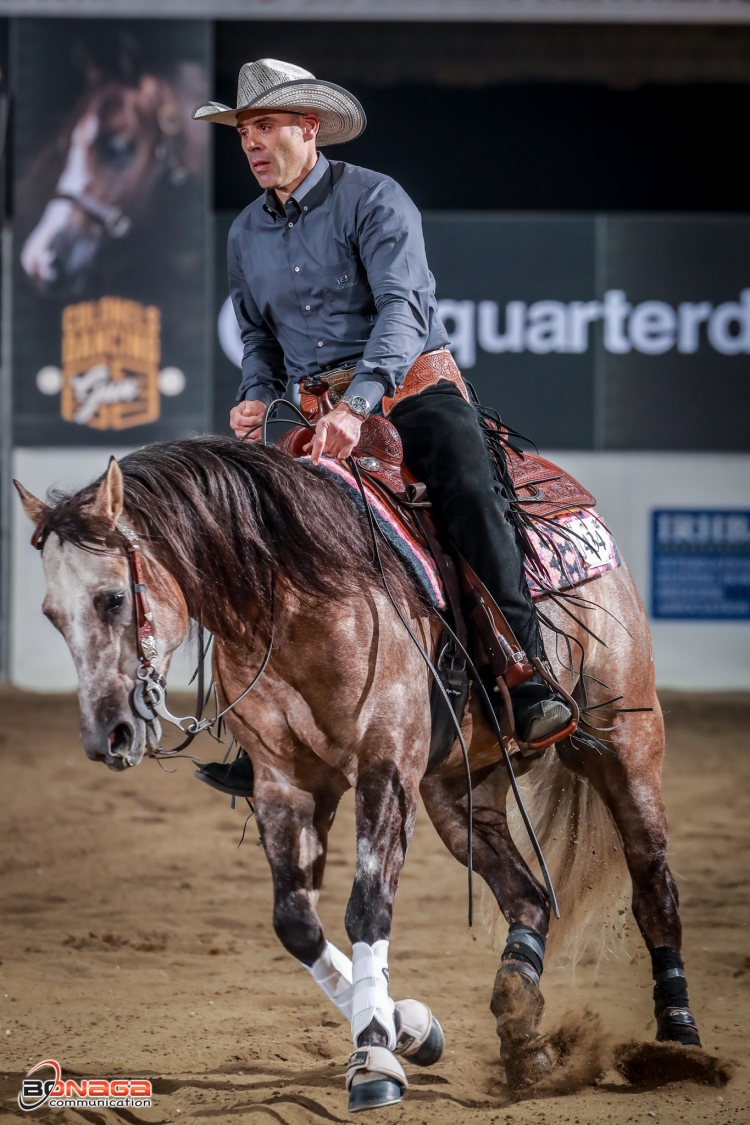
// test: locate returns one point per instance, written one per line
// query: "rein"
(150, 693)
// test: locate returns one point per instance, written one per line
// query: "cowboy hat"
(270, 84)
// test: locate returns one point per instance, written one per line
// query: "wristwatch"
(357, 404)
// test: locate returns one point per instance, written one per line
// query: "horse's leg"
(629, 783)
(294, 825)
(630, 786)
(517, 1002)
(386, 799)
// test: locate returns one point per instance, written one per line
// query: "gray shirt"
(336, 276)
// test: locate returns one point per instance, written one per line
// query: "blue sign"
(700, 565)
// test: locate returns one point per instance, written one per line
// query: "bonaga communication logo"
(82, 1093)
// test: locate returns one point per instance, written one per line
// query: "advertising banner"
(700, 562)
(603, 332)
(112, 256)
(583, 331)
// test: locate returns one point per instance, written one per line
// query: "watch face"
(358, 404)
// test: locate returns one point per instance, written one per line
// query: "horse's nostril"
(119, 739)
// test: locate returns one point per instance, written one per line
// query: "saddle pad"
(411, 554)
(573, 547)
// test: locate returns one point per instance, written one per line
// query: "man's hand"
(336, 434)
(246, 419)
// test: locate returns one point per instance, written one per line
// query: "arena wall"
(691, 655)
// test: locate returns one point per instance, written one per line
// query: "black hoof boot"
(677, 1025)
(374, 1079)
(420, 1037)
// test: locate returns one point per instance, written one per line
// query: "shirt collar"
(310, 181)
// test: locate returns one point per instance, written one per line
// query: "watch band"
(357, 404)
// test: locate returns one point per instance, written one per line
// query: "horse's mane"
(224, 517)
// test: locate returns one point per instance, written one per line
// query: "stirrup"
(420, 1037)
(374, 1078)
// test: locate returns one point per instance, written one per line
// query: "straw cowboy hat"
(273, 85)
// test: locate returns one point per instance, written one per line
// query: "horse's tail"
(584, 854)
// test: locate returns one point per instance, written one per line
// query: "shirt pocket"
(345, 288)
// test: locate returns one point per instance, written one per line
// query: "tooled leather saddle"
(541, 488)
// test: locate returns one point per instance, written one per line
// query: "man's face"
(277, 145)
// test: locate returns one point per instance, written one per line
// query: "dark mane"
(223, 517)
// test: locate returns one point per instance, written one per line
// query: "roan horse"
(257, 547)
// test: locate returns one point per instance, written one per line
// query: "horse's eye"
(114, 149)
(108, 605)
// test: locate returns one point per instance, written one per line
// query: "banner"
(111, 321)
(584, 332)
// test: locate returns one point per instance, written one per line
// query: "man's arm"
(391, 248)
(264, 377)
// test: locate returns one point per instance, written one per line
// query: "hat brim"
(341, 116)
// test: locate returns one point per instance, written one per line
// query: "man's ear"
(107, 503)
(33, 507)
(310, 125)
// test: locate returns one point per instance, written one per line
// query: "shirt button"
(307, 307)
(290, 224)
(296, 268)
(320, 343)
(304, 208)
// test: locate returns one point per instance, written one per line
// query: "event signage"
(583, 331)
(111, 319)
(700, 565)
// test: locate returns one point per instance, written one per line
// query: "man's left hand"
(336, 434)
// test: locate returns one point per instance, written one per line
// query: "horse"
(271, 556)
(128, 137)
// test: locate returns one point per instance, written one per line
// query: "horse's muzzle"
(121, 747)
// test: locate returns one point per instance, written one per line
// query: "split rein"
(149, 698)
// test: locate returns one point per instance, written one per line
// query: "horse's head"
(126, 139)
(89, 600)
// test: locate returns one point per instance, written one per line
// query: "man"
(327, 271)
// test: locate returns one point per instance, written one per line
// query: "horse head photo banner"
(111, 231)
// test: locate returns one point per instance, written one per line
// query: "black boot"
(538, 711)
(235, 778)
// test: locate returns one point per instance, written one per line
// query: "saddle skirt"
(571, 541)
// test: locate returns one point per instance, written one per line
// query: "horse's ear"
(32, 506)
(107, 503)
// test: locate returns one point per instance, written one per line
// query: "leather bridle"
(149, 696)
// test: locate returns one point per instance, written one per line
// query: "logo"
(110, 377)
(652, 328)
(82, 1093)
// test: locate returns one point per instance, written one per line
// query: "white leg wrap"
(370, 999)
(333, 972)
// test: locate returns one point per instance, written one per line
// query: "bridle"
(149, 696)
(114, 220)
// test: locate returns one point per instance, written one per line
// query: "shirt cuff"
(258, 394)
(369, 388)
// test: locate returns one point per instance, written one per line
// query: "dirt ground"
(136, 940)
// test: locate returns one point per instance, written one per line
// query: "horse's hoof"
(420, 1036)
(374, 1078)
(525, 1065)
(677, 1025)
(373, 1091)
(518, 1006)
